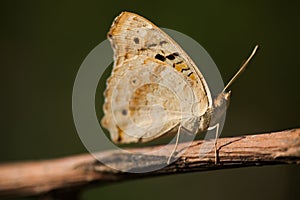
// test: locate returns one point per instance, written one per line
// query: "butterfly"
(155, 88)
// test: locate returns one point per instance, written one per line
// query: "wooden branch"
(73, 173)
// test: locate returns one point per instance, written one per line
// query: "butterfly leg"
(176, 144)
(216, 140)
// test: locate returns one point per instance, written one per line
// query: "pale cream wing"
(132, 35)
(154, 84)
(142, 101)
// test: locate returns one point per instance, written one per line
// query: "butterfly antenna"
(242, 68)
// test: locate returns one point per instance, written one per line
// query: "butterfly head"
(220, 104)
(222, 100)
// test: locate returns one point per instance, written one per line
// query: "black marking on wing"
(170, 57)
(142, 49)
(185, 69)
(136, 40)
(190, 74)
(160, 57)
(152, 45)
(124, 112)
(162, 42)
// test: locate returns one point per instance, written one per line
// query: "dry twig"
(65, 176)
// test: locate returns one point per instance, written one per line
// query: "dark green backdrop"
(44, 42)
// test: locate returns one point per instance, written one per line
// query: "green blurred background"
(44, 42)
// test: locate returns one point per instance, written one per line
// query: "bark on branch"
(60, 176)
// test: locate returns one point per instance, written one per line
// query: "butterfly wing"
(154, 83)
